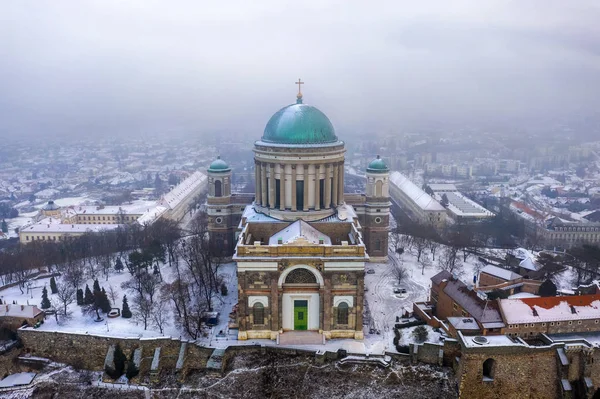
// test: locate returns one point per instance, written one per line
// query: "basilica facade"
(300, 243)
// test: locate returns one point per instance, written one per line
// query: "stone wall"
(89, 351)
(518, 372)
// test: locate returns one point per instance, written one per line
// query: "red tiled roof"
(552, 301)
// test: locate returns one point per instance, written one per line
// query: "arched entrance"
(300, 299)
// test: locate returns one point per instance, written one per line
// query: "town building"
(419, 205)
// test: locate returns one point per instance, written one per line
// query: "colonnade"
(297, 187)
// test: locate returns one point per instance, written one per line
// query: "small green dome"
(299, 124)
(219, 166)
(377, 166)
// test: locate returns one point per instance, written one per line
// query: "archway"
(218, 188)
(300, 300)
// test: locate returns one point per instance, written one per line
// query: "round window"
(377, 220)
(219, 220)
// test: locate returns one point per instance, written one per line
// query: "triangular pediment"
(299, 233)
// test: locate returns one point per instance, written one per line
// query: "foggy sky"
(114, 67)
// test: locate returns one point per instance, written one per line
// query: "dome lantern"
(377, 166)
(219, 166)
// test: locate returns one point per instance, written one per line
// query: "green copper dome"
(299, 124)
(219, 166)
(377, 166)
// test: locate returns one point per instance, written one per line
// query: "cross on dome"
(299, 96)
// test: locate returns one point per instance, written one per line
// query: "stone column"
(257, 192)
(282, 187)
(272, 186)
(274, 304)
(263, 184)
(294, 188)
(335, 184)
(341, 181)
(305, 188)
(358, 306)
(326, 302)
(327, 184)
(317, 187)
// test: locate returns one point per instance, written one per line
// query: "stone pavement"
(300, 338)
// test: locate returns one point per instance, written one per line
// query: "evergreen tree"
(80, 301)
(444, 202)
(119, 265)
(96, 285)
(89, 297)
(125, 312)
(547, 288)
(104, 301)
(120, 360)
(132, 370)
(4, 226)
(53, 288)
(45, 301)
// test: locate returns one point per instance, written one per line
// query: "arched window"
(258, 311)
(342, 313)
(379, 189)
(488, 369)
(377, 245)
(218, 189)
(301, 276)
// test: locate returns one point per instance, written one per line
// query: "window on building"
(26, 238)
(378, 245)
(342, 313)
(218, 188)
(454, 306)
(570, 322)
(578, 321)
(488, 369)
(258, 311)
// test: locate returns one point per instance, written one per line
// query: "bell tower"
(218, 206)
(377, 210)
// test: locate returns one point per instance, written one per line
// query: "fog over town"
(307, 199)
(98, 68)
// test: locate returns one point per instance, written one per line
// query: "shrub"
(53, 288)
(45, 301)
(420, 334)
(132, 370)
(125, 312)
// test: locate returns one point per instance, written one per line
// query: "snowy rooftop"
(27, 311)
(18, 379)
(297, 232)
(548, 309)
(463, 206)
(151, 215)
(110, 210)
(46, 227)
(416, 194)
(442, 187)
(183, 189)
(530, 264)
(488, 340)
(500, 273)
(463, 323)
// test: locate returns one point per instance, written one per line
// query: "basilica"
(299, 242)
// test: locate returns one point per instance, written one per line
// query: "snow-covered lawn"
(119, 326)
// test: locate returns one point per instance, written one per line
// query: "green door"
(300, 315)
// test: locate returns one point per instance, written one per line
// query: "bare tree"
(425, 263)
(450, 261)
(142, 309)
(399, 271)
(160, 315)
(112, 294)
(419, 246)
(66, 295)
(433, 247)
